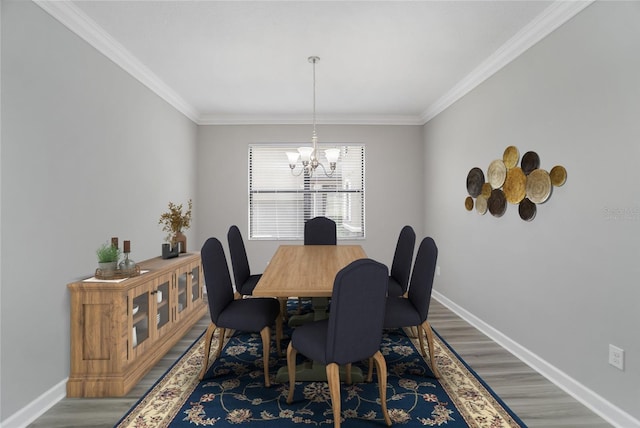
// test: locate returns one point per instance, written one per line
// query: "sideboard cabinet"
(120, 329)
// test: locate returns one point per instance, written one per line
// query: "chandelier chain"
(309, 155)
(314, 60)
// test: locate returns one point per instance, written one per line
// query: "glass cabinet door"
(163, 307)
(189, 287)
(183, 281)
(196, 289)
(140, 313)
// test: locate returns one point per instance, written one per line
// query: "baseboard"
(37, 407)
(605, 409)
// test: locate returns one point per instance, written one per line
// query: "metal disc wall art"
(510, 157)
(527, 210)
(558, 175)
(481, 204)
(496, 173)
(486, 190)
(468, 203)
(497, 203)
(525, 186)
(475, 180)
(515, 185)
(538, 186)
(530, 161)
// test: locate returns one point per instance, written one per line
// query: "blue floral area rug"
(233, 392)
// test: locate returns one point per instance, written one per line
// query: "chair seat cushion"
(251, 314)
(311, 340)
(246, 288)
(394, 288)
(400, 312)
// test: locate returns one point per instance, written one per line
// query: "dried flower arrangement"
(174, 221)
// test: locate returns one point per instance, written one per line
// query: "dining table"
(307, 271)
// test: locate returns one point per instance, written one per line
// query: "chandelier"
(309, 155)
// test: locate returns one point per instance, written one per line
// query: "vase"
(127, 264)
(181, 240)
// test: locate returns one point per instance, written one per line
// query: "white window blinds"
(280, 202)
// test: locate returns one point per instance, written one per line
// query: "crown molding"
(544, 24)
(78, 22)
(306, 120)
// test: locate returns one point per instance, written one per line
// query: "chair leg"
(370, 373)
(347, 370)
(421, 341)
(333, 377)
(207, 348)
(299, 305)
(221, 338)
(427, 329)
(381, 367)
(291, 367)
(265, 333)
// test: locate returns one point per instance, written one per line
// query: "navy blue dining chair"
(245, 282)
(320, 231)
(412, 311)
(401, 265)
(353, 331)
(251, 314)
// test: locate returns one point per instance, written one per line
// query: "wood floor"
(534, 399)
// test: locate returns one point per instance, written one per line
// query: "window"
(280, 202)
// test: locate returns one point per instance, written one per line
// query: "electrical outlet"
(437, 270)
(616, 357)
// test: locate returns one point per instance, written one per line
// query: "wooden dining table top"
(305, 270)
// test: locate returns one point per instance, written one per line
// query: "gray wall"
(87, 153)
(393, 181)
(565, 285)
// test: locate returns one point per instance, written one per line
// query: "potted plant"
(174, 222)
(108, 256)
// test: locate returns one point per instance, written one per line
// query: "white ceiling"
(246, 61)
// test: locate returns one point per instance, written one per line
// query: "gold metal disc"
(486, 190)
(468, 203)
(515, 185)
(558, 175)
(511, 157)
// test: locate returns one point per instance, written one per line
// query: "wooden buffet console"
(119, 330)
